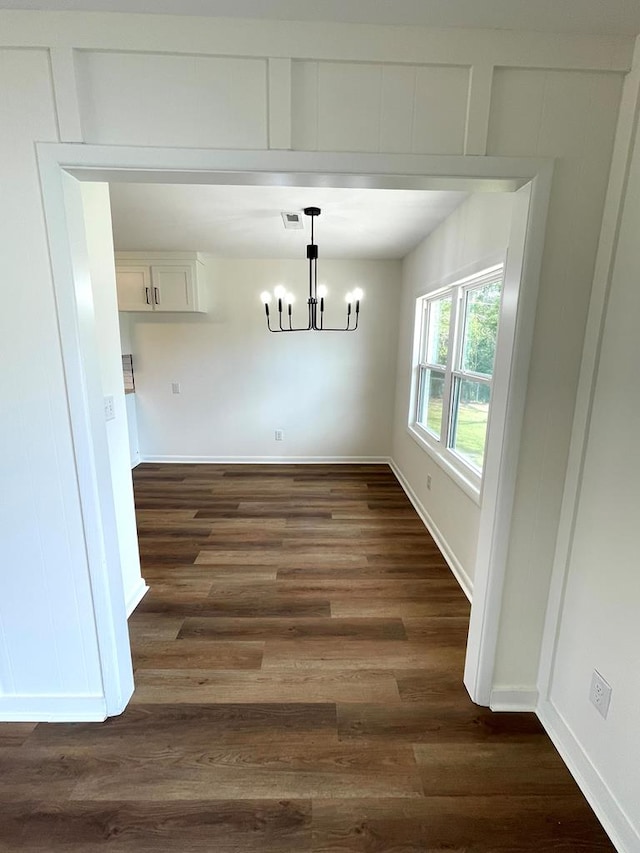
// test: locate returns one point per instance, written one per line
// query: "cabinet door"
(133, 283)
(173, 288)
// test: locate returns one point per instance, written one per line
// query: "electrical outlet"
(429, 482)
(109, 409)
(279, 435)
(600, 693)
(175, 387)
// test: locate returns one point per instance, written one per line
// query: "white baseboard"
(513, 699)
(268, 460)
(136, 596)
(618, 826)
(52, 709)
(459, 573)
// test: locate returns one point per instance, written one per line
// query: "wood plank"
(341, 653)
(223, 826)
(473, 823)
(250, 771)
(345, 607)
(277, 558)
(23, 769)
(247, 605)
(15, 734)
(503, 768)
(439, 630)
(196, 725)
(153, 626)
(368, 572)
(198, 654)
(223, 687)
(292, 629)
(426, 685)
(437, 721)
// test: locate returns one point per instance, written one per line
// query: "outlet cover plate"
(600, 693)
(109, 409)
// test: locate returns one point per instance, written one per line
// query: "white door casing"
(62, 166)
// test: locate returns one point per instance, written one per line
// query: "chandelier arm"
(294, 329)
(337, 329)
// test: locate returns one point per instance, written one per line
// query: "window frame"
(465, 474)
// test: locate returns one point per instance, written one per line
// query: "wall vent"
(292, 219)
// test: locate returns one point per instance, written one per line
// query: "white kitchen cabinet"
(133, 283)
(160, 281)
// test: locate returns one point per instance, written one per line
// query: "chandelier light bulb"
(280, 291)
(349, 297)
(358, 293)
(265, 297)
(322, 291)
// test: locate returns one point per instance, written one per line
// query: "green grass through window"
(471, 429)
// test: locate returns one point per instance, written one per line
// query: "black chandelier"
(315, 302)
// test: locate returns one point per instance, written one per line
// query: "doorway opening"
(65, 168)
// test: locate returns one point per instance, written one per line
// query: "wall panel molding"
(355, 42)
(478, 110)
(65, 93)
(279, 103)
(629, 118)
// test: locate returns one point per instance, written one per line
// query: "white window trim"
(463, 474)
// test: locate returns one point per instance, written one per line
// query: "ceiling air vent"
(292, 219)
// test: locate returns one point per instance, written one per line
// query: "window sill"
(470, 485)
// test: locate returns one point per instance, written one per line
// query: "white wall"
(48, 649)
(331, 393)
(550, 114)
(97, 213)
(600, 615)
(126, 346)
(527, 94)
(478, 230)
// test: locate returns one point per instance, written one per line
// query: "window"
(457, 329)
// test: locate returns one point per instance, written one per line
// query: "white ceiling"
(607, 17)
(245, 221)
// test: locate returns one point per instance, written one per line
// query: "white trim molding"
(608, 810)
(266, 460)
(52, 709)
(136, 596)
(510, 379)
(64, 165)
(452, 561)
(513, 699)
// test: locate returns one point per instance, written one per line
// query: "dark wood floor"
(298, 666)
